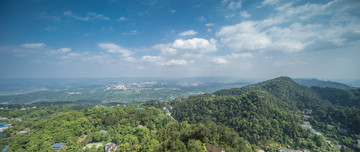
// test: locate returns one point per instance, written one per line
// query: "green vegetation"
(341, 97)
(256, 116)
(273, 114)
(132, 129)
(267, 114)
(323, 84)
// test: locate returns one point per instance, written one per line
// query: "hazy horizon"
(244, 39)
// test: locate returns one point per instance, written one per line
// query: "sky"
(187, 38)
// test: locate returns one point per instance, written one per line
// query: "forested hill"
(283, 88)
(348, 97)
(257, 116)
(300, 96)
(320, 83)
(268, 114)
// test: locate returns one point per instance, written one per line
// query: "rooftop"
(59, 145)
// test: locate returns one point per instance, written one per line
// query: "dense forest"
(270, 115)
(131, 128)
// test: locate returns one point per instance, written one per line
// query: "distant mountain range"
(320, 83)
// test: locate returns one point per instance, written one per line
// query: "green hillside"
(257, 116)
(268, 113)
(284, 88)
(130, 128)
(323, 84)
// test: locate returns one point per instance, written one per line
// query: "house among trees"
(58, 146)
(4, 150)
(213, 148)
(103, 131)
(23, 131)
(288, 150)
(110, 147)
(3, 118)
(4, 126)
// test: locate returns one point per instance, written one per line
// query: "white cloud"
(269, 2)
(235, 5)
(229, 16)
(176, 62)
(71, 55)
(201, 18)
(113, 48)
(165, 49)
(172, 11)
(64, 50)
(132, 32)
(50, 28)
(98, 58)
(60, 51)
(187, 33)
(121, 19)
(98, 16)
(33, 45)
(71, 14)
(223, 1)
(219, 60)
(168, 51)
(240, 55)
(231, 58)
(129, 59)
(88, 17)
(209, 24)
(187, 48)
(294, 28)
(200, 44)
(149, 58)
(245, 14)
(243, 36)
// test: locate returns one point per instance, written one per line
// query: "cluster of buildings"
(4, 126)
(58, 146)
(23, 131)
(167, 111)
(135, 86)
(28, 108)
(109, 147)
(214, 148)
(308, 126)
(288, 150)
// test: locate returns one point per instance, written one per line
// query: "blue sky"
(189, 38)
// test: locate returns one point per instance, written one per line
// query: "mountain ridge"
(321, 83)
